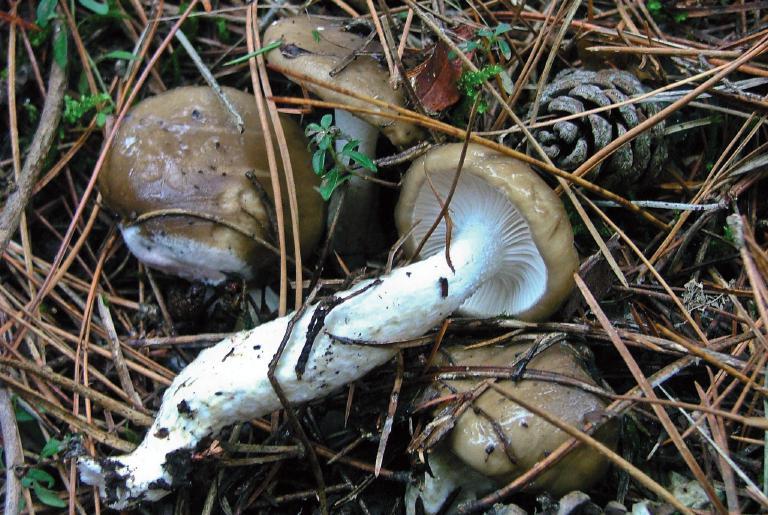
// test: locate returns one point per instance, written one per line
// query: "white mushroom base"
(228, 382)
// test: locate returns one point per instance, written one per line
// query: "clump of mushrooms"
(177, 176)
(498, 440)
(336, 51)
(504, 218)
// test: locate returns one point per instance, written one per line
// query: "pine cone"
(570, 143)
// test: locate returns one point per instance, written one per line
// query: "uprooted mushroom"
(511, 252)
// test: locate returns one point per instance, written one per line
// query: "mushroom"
(321, 46)
(504, 217)
(177, 176)
(229, 382)
(500, 440)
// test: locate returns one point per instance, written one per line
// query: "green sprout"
(471, 83)
(658, 11)
(323, 137)
(36, 479)
(75, 110)
(488, 39)
(41, 482)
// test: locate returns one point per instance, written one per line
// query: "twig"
(13, 453)
(659, 204)
(117, 355)
(291, 415)
(647, 389)
(393, 399)
(751, 487)
(277, 190)
(41, 144)
(211, 80)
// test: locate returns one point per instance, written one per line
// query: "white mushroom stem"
(228, 382)
(356, 128)
(356, 228)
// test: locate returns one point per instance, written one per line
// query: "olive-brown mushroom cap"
(180, 150)
(534, 199)
(302, 53)
(530, 438)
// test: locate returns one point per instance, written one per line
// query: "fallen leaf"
(434, 79)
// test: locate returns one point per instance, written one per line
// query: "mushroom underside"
(522, 276)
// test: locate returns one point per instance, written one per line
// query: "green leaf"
(318, 162)
(222, 29)
(262, 50)
(325, 142)
(316, 35)
(362, 160)
(326, 121)
(192, 24)
(50, 448)
(349, 146)
(502, 28)
(60, 48)
(119, 54)
(46, 11)
(101, 119)
(48, 497)
(331, 181)
(504, 49)
(97, 7)
(37, 475)
(312, 129)
(22, 415)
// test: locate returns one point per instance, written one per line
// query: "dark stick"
(41, 144)
(292, 418)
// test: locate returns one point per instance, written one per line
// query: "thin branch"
(41, 145)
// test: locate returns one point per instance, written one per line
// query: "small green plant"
(657, 10)
(41, 482)
(35, 478)
(471, 84)
(489, 39)
(75, 110)
(323, 137)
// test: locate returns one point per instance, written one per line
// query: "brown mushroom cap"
(535, 201)
(302, 53)
(529, 438)
(180, 151)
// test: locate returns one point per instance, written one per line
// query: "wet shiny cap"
(500, 439)
(319, 45)
(177, 175)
